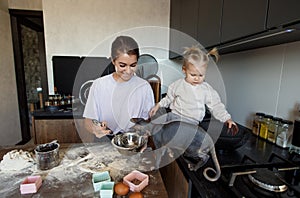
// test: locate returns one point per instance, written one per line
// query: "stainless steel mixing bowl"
(128, 143)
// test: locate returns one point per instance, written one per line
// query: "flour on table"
(74, 171)
(16, 160)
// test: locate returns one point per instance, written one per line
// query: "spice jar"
(284, 132)
(258, 119)
(263, 132)
(273, 129)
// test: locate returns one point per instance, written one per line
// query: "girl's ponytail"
(214, 52)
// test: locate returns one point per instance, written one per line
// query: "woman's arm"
(99, 130)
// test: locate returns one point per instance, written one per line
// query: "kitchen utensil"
(147, 66)
(99, 178)
(31, 184)
(129, 143)
(47, 155)
(84, 91)
(139, 120)
(97, 123)
(142, 178)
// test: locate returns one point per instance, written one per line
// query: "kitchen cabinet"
(184, 16)
(64, 126)
(198, 21)
(283, 12)
(63, 130)
(183, 24)
(232, 25)
(243, 18)
(209, 22)
(176, 184)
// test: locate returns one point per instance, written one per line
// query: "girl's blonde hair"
(197, 57)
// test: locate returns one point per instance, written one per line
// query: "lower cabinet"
(63, 130)
(176, 184)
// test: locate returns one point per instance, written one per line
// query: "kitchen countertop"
(72, 177)
(58, 114)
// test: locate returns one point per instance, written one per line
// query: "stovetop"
(253, 155)
(278, 177)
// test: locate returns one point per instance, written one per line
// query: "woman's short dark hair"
(124, 45)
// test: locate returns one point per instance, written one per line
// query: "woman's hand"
(154, 110)
(99, 129)
(232, 126)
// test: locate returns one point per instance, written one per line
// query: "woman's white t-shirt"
(116, 103)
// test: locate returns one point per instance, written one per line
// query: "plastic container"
(273, 129)
(136, 176)
(107, 189)
(284, 133)
(99, 178)
(31, 184)
(258, 119)
(264, 127)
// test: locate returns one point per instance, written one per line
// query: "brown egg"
(136, 195)
(121, 189)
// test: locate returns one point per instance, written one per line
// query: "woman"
(116, 98)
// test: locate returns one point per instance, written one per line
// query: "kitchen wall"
(262, 80)
(82, 28)
(25, 4)
(72, 27)
(10, 131)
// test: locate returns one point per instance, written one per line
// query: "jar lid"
(287, 122)
(277, 119)
(269, 116)
(260, 114)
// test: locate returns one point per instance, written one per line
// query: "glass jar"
(284, 133)
(258, 119)
(263, 132)
(273, 129)
(69, 100)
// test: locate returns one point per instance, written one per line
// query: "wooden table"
(80, 186)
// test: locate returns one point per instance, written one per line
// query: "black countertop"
(255, 148)
(59, 113)
(44, 114)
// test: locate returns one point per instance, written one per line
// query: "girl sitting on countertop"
(187, 97)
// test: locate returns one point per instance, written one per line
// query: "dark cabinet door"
(184, 19)
(189, 17)
(209, 22)
(283, 12)
(184, 16)
(243, 18)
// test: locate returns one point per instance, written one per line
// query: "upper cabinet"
(193, 22)
(183, 23)
(209, 22)
(234, 25)
(243, 18)
(283, 12)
